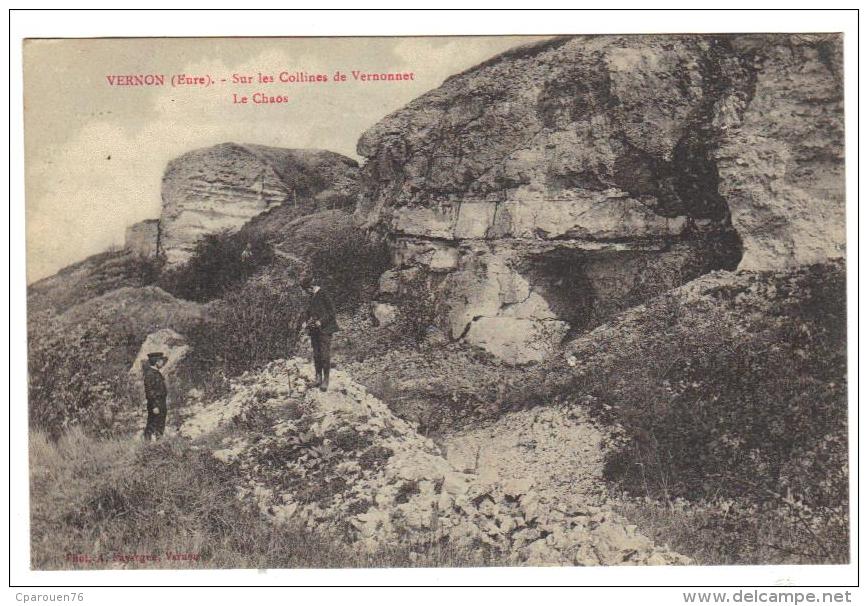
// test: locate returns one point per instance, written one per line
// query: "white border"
(183, 23)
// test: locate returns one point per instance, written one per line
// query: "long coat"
(321, 308)
(155, 388)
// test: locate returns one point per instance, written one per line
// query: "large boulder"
(589, 173)
(221, 188)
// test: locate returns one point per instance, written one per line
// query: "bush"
(418, 310)
(340, 255)
(348, 262)
(217, 264)
(143, 270)
(742, 399)
(252, 324)
(72, 374)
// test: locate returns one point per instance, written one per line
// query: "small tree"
(349, 262)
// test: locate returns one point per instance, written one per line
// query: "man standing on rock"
(155, 395)
(321, 324)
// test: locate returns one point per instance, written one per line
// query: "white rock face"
(607, 215)
(221, 188)
(781, 161)
(492, 305)
(142, 238)
(383, 313)
(593, 152)
(517, 340)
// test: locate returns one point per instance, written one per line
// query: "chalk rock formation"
(142, 238)
(222, 187)
(557, 182)
(781, 164)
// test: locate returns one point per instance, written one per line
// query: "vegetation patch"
(731, 395)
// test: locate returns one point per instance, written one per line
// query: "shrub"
(418, 310)
(217, 264)
(348, 262)
(72, 374)
(741, 399)
(143, 270)
(252, 324)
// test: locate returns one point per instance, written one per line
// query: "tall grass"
(111, 499)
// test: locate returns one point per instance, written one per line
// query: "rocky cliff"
(223, 187)
(142, 238)
(555, 183)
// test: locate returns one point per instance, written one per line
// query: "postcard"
(391, 302)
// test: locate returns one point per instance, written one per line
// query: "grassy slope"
(104, 498)
(84, 280)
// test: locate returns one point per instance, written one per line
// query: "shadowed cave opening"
(586, 288)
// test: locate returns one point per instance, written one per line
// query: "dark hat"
(156, 355)
(306, 281)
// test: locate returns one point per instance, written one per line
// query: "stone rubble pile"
(342, 460)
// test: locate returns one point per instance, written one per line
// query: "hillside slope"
(89, 278)
(729, 392)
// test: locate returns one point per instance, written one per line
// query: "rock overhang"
(635, 155)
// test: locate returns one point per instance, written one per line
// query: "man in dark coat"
(155, 394)
(321, 325)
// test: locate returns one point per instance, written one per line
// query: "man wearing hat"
(155, 394)
(321, 325)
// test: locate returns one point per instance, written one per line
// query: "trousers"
(321, 343)
(156, 424)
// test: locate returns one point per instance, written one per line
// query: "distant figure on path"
(155, 395)
(247, 254)
(321, 324)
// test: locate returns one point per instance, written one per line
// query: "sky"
(95, 153)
